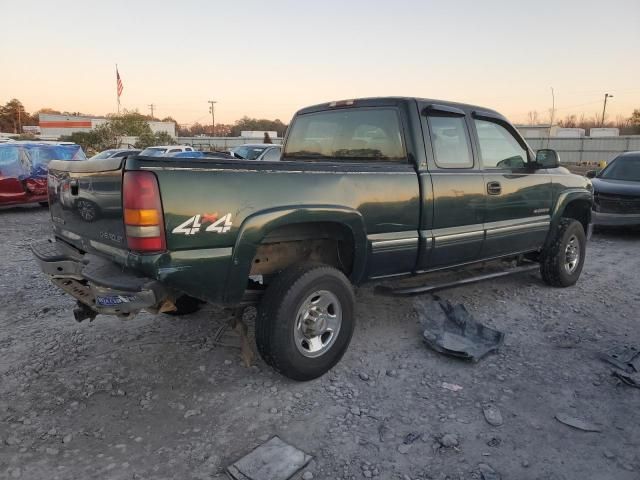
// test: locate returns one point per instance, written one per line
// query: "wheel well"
(579, 210)
(327, 242)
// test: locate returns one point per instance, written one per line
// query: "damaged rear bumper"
(103, 286)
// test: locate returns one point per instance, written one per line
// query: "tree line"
(234, 129)
(14, 117)
(626, 125)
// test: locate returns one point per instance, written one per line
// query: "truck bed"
(209, 203)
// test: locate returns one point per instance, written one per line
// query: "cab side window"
(451, 146)
(498, 147)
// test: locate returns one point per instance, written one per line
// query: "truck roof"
(388, 101)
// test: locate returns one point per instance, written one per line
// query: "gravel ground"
(158, 397)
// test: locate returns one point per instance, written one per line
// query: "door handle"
(494, 188)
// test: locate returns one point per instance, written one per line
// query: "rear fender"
(256, 227)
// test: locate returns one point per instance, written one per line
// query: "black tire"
(554, 258)
(186, 305)
(277, 319)
(44, 204)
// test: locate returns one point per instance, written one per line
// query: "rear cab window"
(349, 135)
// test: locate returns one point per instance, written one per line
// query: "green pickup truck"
(365, 189)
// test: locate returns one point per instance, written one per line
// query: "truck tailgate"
(86, 202)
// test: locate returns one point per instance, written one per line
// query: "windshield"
(623, 168)
(101, 155)
(153, 152)
(31, 160)
(248, 152)
(10, 165)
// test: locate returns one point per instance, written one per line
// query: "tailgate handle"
(73, 185)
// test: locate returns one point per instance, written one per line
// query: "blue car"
(23, 169)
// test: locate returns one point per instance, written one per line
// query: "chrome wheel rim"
(572, 255)
(318, 323)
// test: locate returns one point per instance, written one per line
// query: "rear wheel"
(305, 320)
(562, 261)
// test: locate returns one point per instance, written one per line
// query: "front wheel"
(562, 261)
(305, 320)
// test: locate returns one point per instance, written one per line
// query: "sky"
(267, 59)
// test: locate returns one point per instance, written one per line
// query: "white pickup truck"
(162, 150)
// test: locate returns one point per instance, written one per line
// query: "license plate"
(114, 300)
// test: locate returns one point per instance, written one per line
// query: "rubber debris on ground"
(453, 331)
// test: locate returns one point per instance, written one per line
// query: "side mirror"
(591, 174)
(547, 158)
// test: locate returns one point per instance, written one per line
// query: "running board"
(410, 291)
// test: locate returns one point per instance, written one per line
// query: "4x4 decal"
(195, 223)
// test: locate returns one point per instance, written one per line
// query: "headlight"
(589, 186)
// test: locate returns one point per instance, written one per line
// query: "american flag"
(119, 83)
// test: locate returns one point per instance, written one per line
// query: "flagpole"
(117, 95)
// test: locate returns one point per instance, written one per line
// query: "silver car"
(267, 152)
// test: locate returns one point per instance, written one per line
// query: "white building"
(604, 132)
(537, 131)
(55, 126)
(257, 134)
(166, 127)
(571, 132)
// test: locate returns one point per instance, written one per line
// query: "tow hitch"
(82, 312)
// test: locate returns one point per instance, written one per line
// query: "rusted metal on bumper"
(103, 286)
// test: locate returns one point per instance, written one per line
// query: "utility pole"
(212, 110)
(553, 112)
(19, 119)
(151, 106)
(604, 108)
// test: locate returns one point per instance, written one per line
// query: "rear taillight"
(143, 218)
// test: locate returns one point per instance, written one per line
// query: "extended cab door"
(518, 197)
(453, 193)
(358, 154)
